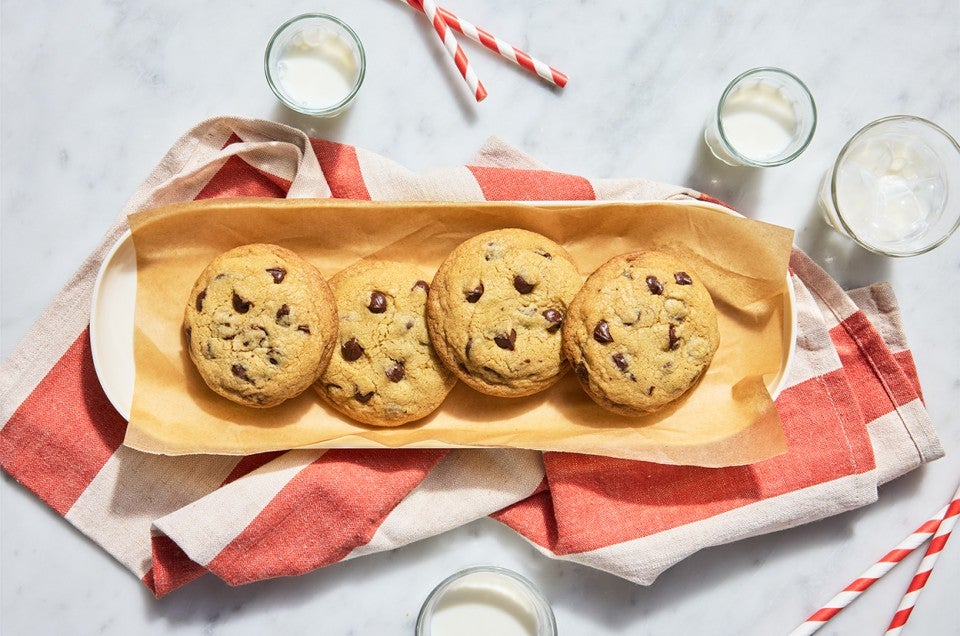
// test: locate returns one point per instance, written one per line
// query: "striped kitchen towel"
(852, 413)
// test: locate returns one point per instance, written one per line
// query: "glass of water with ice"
(895, 187)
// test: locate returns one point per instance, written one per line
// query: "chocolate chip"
(188, 332)
(282, 314)
(554, 317)
(673, 341)
(620, 361)
(466, 350)
(396, 371)
(273, 361)
(351, 350)
(543, 253)
(506, 340)
(278, 273)
(363, 398)
(409, 324)
(601, 333)
(650, 391)
(654, 285)
(378, 302)
(240, 371)
(200, 298)
(421, 284)
(304, 328)
(682, 278)
(582, 372)
(474, 294)
(521, 285)
(240, 305)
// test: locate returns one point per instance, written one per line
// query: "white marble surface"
(94, 92)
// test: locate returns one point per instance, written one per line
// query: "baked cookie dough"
(260, 324)
(495, 310)
(640, 332)
(384, 371)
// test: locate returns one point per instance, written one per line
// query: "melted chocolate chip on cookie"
(506, 341)
(521, 285)
(601, 333)
(554, 317)
(240, 305)
(396, 371)
(240, 371)
(654, 285)
(474, 294)
(351, 350)
(378, 302)
(278, 274)
(682, 278)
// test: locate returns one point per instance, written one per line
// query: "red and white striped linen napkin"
(852, 413)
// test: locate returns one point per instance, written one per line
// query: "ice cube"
(931, 195)
(872, 155)
(900, 216)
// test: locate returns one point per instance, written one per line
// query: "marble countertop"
(95, 92)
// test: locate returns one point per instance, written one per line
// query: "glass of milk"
(766, 117)
(486, 600)
(315, 64)
(895, 187)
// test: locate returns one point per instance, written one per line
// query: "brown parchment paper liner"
(728, 419)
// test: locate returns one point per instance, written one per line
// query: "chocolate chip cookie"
(260, 324)
(385, 371)
(495, 310)
(640, 332)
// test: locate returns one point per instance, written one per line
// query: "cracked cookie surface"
(640, 332)
(495, 310)
(260, 324)
(385, 371)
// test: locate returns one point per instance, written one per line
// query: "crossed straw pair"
(939, 527)
(444, 23)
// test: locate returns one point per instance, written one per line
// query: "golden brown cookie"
(640, 332)
(260, 324)
(495, 310)
(385, 371)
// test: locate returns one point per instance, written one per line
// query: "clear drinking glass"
(765, 117)
(895, 187)
(486, 600)
(315, 64)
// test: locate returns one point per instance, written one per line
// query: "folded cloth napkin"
(852, 413)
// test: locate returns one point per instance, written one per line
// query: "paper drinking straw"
(926, 566)
(495, 44)
(453, 47)
(871, 576)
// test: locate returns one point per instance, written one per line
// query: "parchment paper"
(728, 419)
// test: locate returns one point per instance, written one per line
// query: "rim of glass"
(833, 185)
(753, 162)
(284, 98)
(426, 610)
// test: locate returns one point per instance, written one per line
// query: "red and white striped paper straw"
(926, 566)
(453, 47)
(871, 576)
(495, 44)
